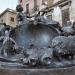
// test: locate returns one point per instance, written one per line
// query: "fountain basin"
(60, 71)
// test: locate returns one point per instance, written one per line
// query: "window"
(35, 5)
(2, 20)
(65, 16)
(12, 19)
(27, 8)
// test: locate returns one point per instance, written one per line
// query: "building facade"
(59, 10)
(8, 17)
(32, 6)
(63, 11)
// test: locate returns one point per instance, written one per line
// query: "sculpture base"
(8, 68)
(60, 71)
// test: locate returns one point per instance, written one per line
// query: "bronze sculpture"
(38, 43)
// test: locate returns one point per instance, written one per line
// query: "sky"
(7, 4)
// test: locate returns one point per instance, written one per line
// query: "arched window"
(27, 8)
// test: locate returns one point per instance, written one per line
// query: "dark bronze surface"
(38, 35)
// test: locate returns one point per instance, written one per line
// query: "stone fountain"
(36, 47)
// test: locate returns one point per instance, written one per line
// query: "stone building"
(32, 6)
(8, 17)
(59, 10)
(63, 11)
